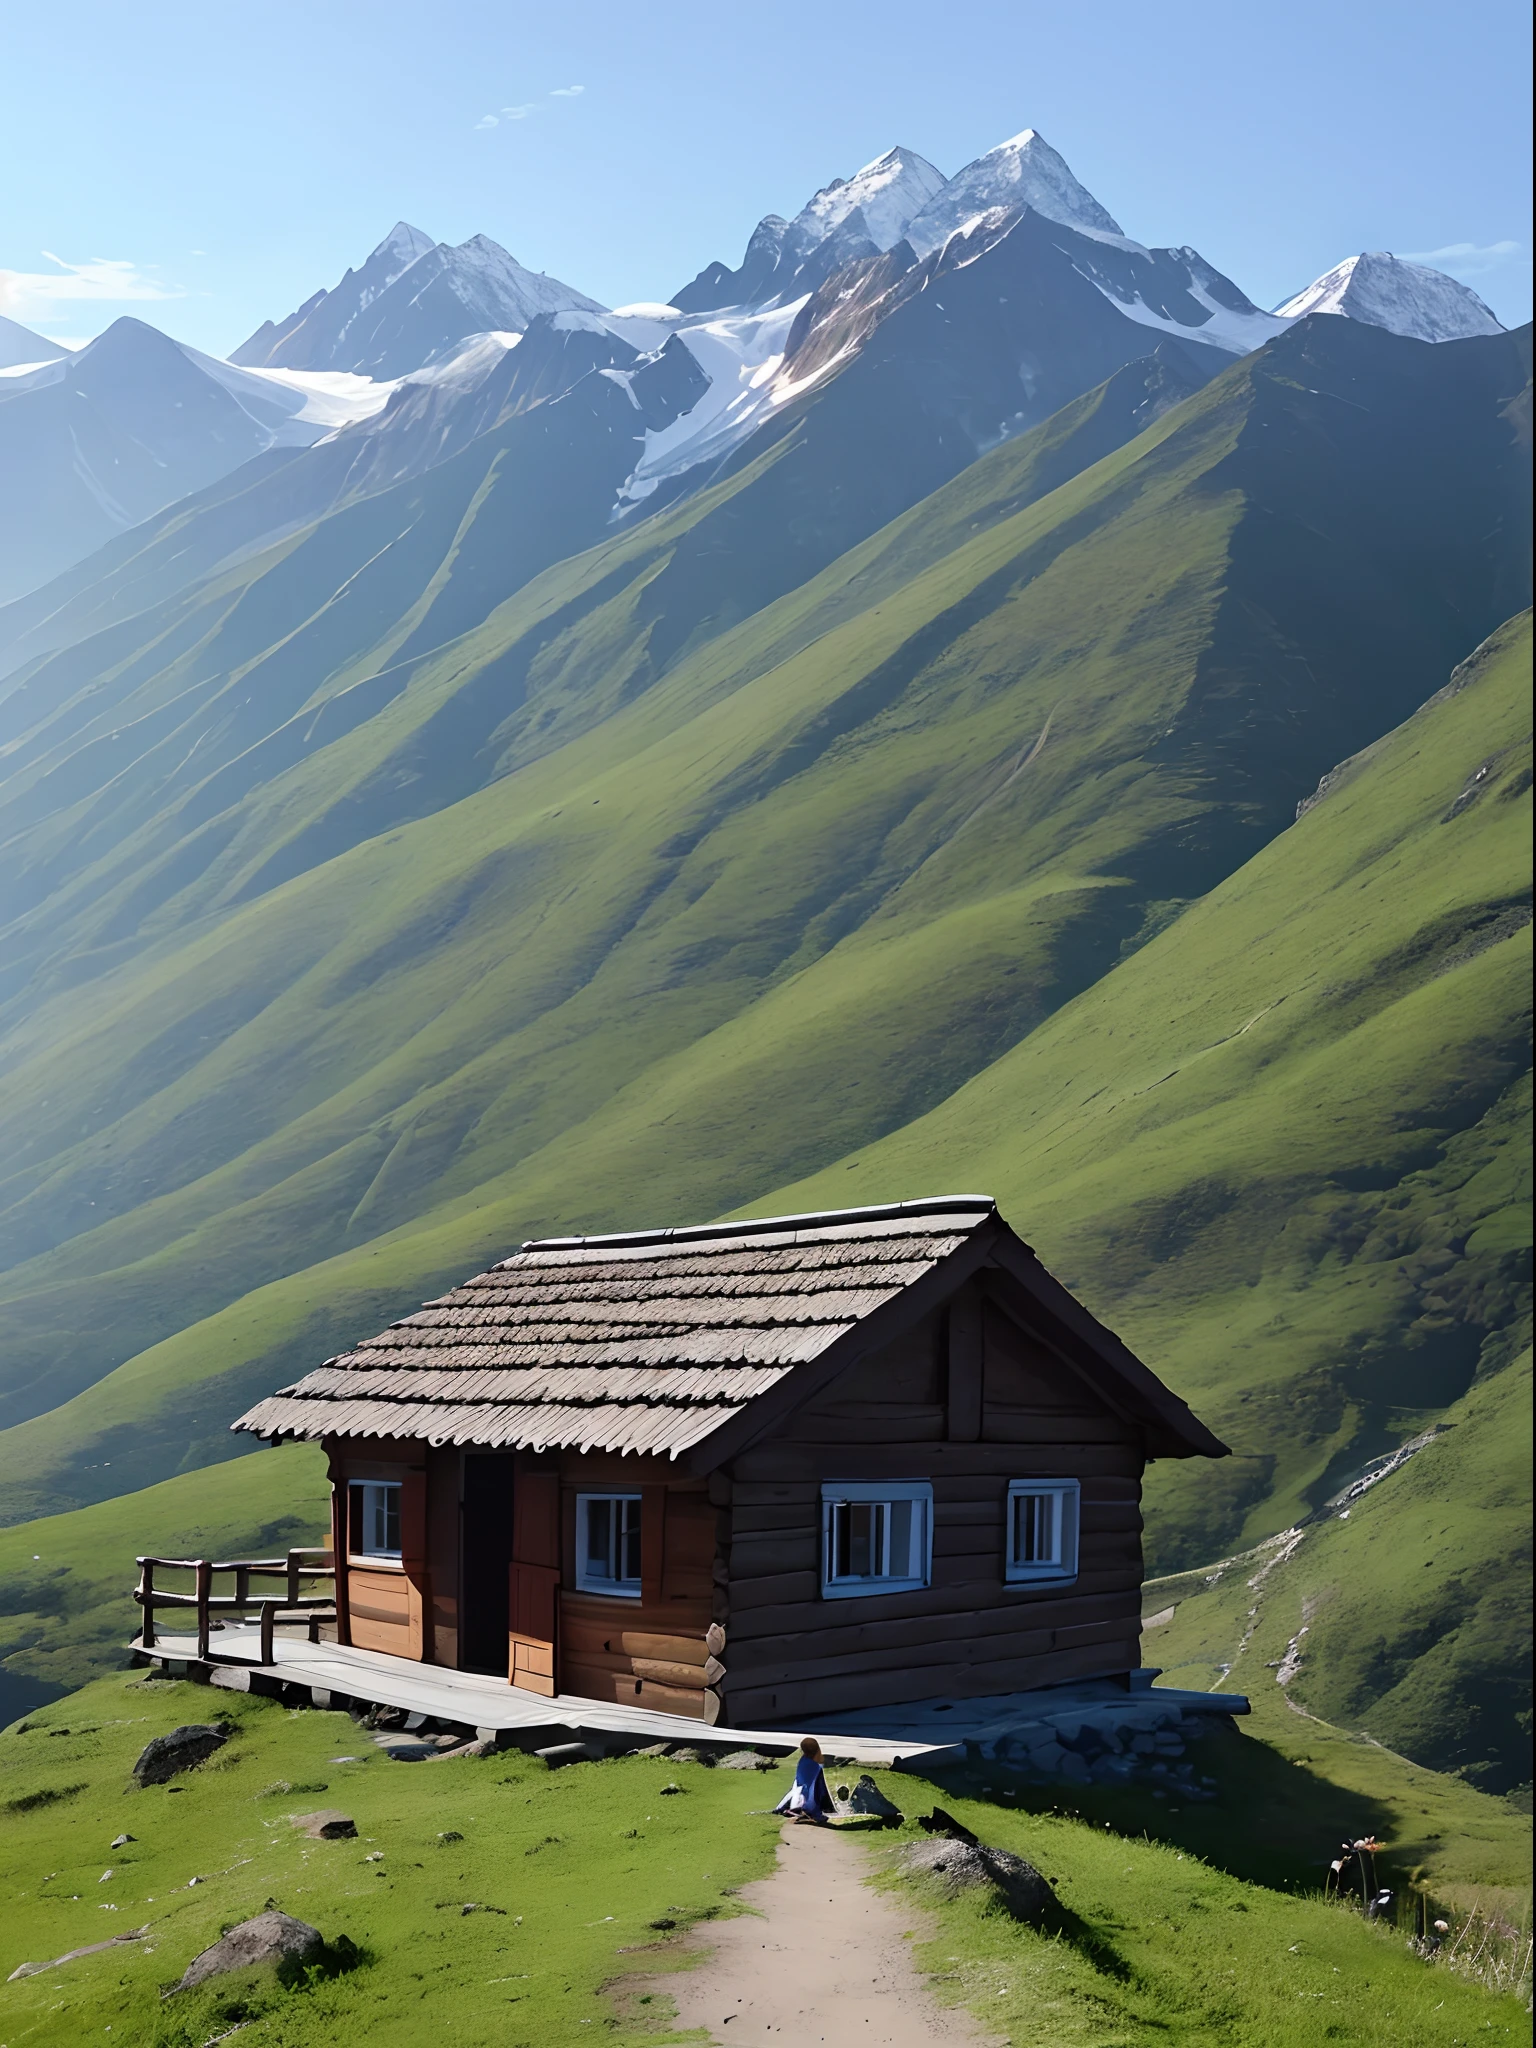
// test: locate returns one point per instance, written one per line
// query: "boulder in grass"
(963, 1866)
(867, 1798)
(327, 1825)
(559, 1754)
(940, 1822)
(272, 1937)
(182, 1750)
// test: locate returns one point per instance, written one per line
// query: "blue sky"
(207, 166)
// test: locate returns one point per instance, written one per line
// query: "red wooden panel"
(536, 1518)
(532, 1606)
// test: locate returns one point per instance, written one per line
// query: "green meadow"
(591, 1877)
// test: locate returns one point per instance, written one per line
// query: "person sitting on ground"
(808, 1798)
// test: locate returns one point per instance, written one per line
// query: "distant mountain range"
(405, 358)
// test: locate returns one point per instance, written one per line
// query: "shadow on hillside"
(1273, 1822)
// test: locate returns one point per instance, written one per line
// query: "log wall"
(654, 1651)
(967, 1401)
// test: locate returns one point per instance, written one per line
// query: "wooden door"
(533, 1590)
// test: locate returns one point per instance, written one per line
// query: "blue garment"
(809, 1792)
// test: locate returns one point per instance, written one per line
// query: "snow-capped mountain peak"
(1024, 171)
(887, 193)
(400, 249)
(413, 302)
(1406, 298)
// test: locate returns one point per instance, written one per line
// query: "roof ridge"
(752, 1226)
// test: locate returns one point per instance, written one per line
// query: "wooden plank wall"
(388, 1607)
(654, 1651)
(967, 1401)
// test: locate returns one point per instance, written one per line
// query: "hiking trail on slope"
(821, 1957)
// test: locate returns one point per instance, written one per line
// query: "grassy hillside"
(1405, 1615)
(1284, 1146)
(669, 960)
(584, 1876)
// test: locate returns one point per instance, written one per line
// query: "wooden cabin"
(750, 1472)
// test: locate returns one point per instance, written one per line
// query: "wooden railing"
(296, 1566)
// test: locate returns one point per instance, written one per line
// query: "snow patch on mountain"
(1024, 171)
(299, 407)
(1406, 298)
(739, 351)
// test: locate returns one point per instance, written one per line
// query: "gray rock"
(963, 1866)
(182, 1750)
(1072, 1768)
(866, 1797)
(121, 1841)
(560, 1753)
(942, 1822)
(272, 1937)
(738, 1760)
(1046, 1756)
(327, 1825)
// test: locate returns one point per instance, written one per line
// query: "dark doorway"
(487, 1535)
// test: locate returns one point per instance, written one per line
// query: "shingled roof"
(652, 1341)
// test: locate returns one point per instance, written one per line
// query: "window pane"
(629, 1560)
(599, 1539)
(904, 1515)
(1036, 1532)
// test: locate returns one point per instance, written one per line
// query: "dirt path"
(826, 1962)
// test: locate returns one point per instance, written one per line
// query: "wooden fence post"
(147, 1601)
(204, 1571)
(268, 1615)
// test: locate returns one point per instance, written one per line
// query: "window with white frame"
(1042, 1530)
(608, 1543)
(373, 1527)
(876, 1537)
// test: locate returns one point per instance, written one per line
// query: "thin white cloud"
(1468, 259)
(32, 294)
(529, 107)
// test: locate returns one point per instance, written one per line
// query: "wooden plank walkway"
(488, 1704)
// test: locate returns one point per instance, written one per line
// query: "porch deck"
(924, 1733)
(333, 1673)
